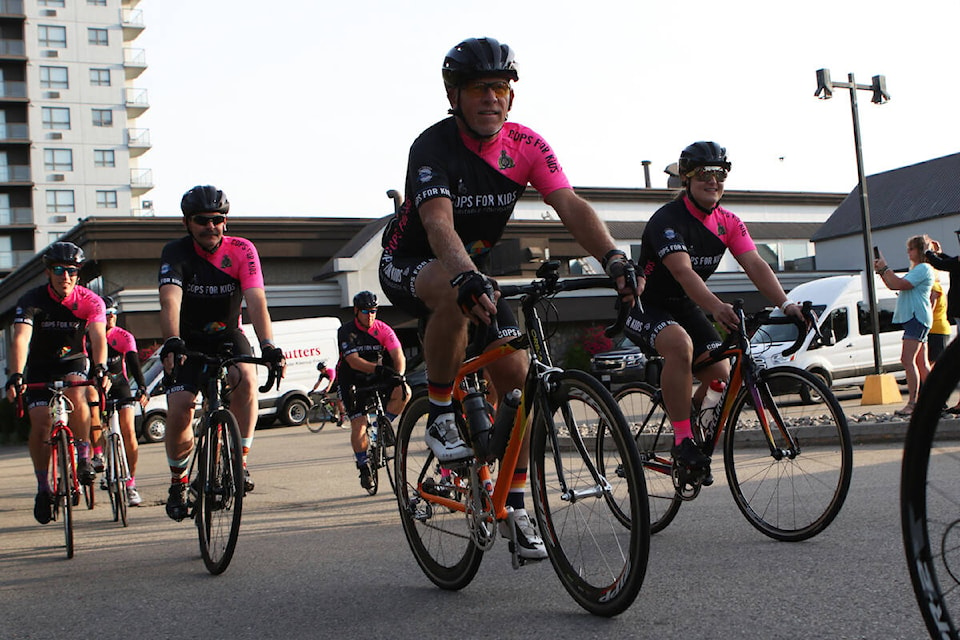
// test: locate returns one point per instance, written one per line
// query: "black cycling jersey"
(58, 325)
(484, 181)
(371, 345)
(679, 226)
(212, 283)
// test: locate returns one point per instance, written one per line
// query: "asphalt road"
(317, 558)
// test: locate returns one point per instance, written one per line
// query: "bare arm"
(762, 276)
(398, 359)
(170, 298)
(681, 269)
(19, 346)
(97, 336)
(259, 313)
(437, 218)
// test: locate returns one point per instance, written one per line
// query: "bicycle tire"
(119, 491)
(388, 441)
(319, 415)
(929, 506)
(220, 495)
(64, 487)
(110, 475)
(439, 539)
(652, 432)
(600, 560)
(373, 464)
(795, 496)
(89, 495)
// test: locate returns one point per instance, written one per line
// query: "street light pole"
(879, 89)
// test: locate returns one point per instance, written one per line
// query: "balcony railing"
(15, 173)
(141, 180)
(135, 101)
(16, 216)
(10, 260)
(11, 7)
(12, 47)
(14, 131)
(13, 89)
(134, 62)
(132, 21)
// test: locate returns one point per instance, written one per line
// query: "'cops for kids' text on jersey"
(483, 179)
(681, 226)
(58, 325)
(212, 283)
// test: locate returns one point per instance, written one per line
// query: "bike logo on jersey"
(505, 161)
(721, 230)
(226, 263)
(424, 174)
(669, 234)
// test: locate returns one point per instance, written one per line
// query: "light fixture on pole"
(878, 89)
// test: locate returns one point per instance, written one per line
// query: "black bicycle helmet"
(63, 253)
(204, 199)
(477, 57)
(322, 365)
(365, 300)
(111, 305)
(702, 154)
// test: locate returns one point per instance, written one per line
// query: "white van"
(840, 303)
(305, 342)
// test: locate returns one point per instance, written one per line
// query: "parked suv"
(624, 363)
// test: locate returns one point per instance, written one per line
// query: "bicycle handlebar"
(806, 308)
(53, 385)
(225, 361)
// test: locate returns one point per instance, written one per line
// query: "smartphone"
(876, 253)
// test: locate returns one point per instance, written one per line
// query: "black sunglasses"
(203, 220)
(59, 270)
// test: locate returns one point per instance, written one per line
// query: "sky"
(307, 108)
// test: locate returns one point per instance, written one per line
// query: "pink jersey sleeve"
(89, 306)
(387, 336)
(246, 261)
(122, 340)
(737, 238)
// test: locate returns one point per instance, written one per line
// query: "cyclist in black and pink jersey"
(123, 365)
(465, 175)
(682, 245)
(204, 278)
(370, 354)
(48, 345)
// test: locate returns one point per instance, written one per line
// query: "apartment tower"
(69, 102)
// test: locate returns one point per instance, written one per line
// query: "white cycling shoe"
(528, 541)
(443, 438)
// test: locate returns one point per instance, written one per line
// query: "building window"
(50, 3)
(97, 37)
(52, 37)
(106, 199)
(58, 160)
(60, 201)
(104, 158)
(54, 78)
(97, 3)
(100, 77)
(56, 117)
(102, 118)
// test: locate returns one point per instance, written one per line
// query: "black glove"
(386, 373)
(174, 345)
(14, 381)
(472, 285)
(273, 354)
(98, 373)
(616, 264)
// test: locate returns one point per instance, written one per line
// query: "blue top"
(915, 302)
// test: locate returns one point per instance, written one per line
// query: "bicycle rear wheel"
(320, 415)
(220, 499)
(929, 503)
(596, 529)
(64, 487)
(439, 538)
(89, 495)
(793, 488)
(652, 432)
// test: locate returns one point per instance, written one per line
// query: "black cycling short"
(398, 277)
(120, 391)
(231, 341)
(355, 396)
(647, 321)
(48, 371)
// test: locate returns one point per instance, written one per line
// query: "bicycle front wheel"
(653, 434)
(319, 415)
(63, 485)
(439, 538)
(116, 479)
(788, 462)
(221, 491)
(596, 528)
(929, 503)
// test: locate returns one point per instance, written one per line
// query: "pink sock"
(681, 430)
